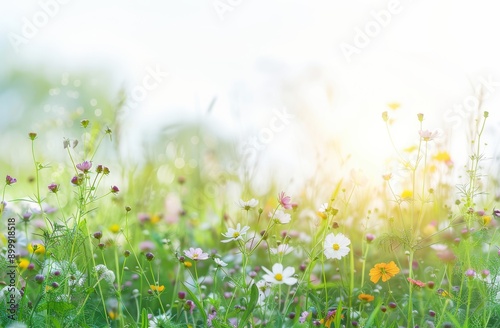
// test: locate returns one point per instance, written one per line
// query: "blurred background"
(275, 92)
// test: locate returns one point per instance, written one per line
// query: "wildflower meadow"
(89, 240)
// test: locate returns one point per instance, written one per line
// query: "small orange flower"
(157, 288)
(330, 318)
(383, 270)
(366, 297)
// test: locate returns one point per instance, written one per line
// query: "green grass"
(106, 247)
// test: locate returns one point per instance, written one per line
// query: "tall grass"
(107, 245)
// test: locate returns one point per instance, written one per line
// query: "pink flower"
(417, 283)
(77, 179)
(147, 246)
(10, 180)
(470, 273)
(303, 316)
(427, 135)
(84, 166)
(196, 254)
(143, 217)
(190, 305)
(53, 187)
(285, 201)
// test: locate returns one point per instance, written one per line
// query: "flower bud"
(39, 278)
(53, 187)
(470, 273)
(84, 123)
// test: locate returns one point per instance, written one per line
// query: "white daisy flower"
(248, 204)
(280, 276)
(283, 249)
(235, 234)
(219, 262)
(264, 290)
(323, 208)
(280, 217)
(336, 246)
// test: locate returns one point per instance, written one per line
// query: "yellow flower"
(486, 219)
(330, 318)
(322, 215)
(410, 149)
(155, 219)
(114, 228)
(383, 270)
(366, 297)
(112, 315)
(443, 293)
(188, 264)
(157, 288)
(407, 194)
(36, 248)
(442, 156)
(23, 263)
(394, 105)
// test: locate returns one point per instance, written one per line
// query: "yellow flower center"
(336, 247)
(236, 234)
(278, 276)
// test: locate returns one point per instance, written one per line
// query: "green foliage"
(122, 258)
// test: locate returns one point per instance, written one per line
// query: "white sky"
(426, 58)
